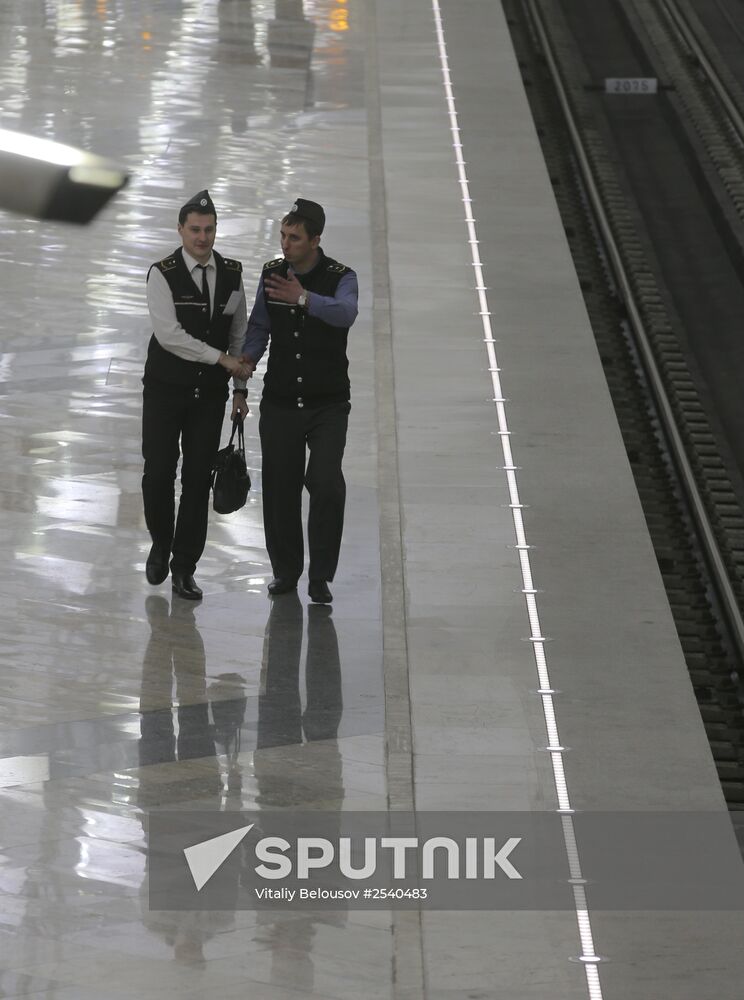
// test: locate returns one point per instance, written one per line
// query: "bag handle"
(238, 426)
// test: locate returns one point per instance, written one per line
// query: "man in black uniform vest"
(305, 304)
(197, 307)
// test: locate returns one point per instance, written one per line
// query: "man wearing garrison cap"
(304, 305)
(198, 312)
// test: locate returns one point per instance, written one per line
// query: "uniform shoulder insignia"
(232, 265)
(166, 264)
(338, 268)
(273, 263)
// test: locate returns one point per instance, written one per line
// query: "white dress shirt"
(171, 335)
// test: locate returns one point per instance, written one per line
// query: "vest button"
(297, 333)
(299, 399)
(292, 311)
(298, 356)
(299, 378)
(299, 405)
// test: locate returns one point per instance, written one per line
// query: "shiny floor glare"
(117, 698)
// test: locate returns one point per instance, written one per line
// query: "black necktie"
(205, 289)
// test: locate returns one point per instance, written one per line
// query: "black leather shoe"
(319, 592)
(156, 567)
(184, 586)
(281, 586)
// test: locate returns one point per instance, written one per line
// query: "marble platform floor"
(117, 698)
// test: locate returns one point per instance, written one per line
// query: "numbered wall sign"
(631, 85)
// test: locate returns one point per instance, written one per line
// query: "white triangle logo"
(206, 857)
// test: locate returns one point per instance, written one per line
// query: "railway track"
(689, 477)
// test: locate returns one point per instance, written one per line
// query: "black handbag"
(230, 479)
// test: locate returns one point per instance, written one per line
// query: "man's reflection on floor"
(236, 33)
(228, 703)
(290, 36)
(182, 753)
(174, 673)
(281, 720)
(297, 761)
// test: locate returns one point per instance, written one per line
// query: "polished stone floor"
(418, 689)
(117, 698)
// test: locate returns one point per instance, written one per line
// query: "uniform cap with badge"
(309, 210)
(200, 202)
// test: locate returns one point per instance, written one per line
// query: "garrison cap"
(310, 210)
(200, 202)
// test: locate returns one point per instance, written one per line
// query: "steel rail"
(686, 33)
(706, 533)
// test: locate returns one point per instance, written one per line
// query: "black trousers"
(175, 419)
(286, 436)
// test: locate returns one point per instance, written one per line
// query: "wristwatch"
(302, 301)
(241, 392)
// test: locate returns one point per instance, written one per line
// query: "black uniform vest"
(307, 358)
(191, 313)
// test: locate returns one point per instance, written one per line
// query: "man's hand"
(238, 367)
(283, 289)
(239, 406)
(249, 362)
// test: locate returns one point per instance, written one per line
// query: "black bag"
(230, 479)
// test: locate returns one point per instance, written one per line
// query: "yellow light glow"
(340, 19)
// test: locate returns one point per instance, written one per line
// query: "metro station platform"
(494, 549)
